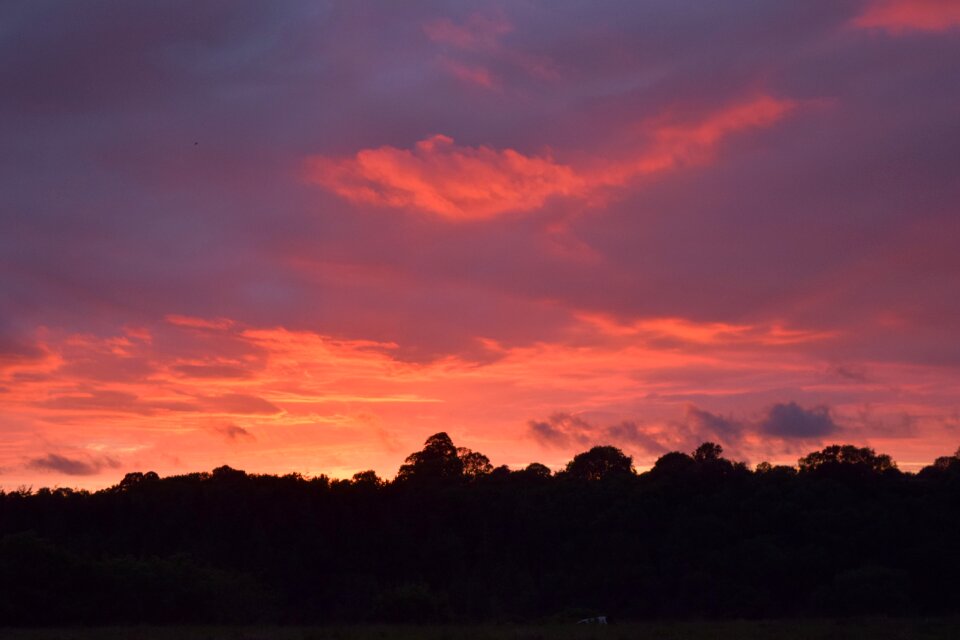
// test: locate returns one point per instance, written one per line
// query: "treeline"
(453, 539)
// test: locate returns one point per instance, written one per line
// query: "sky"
(305, 236)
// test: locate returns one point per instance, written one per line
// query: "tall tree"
(437, 461)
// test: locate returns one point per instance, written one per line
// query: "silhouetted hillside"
(453, 538)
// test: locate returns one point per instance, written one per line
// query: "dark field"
(872, 629)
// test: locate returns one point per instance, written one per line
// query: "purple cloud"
(54, 462)
(791, 421)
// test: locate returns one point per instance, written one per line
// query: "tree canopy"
(600, 463)
(436, 462)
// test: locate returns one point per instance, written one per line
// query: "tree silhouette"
(708, 452)
(368, 478)
(537, 470)
(599, 463)
(697, 536)
(846, 455)
(475, 464)
(673, 464)
(436, 462)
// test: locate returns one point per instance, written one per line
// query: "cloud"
(708, 425)
(683, 331)
(782, 422)
(211, 371)
(853, 373)
(199, 323)
(564, 430)
(478, 32)
(676, 142)
(472, 46)
(14, 352)
(561, 430)
(240, 403)
(440, 177)
(630, 433)
(791, 421)
(113, 401)
(233, 432)
(901, 16)
(54, 462)
(470, 73)
(458, 182)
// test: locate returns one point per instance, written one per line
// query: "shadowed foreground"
(874, 629)
(454, 541)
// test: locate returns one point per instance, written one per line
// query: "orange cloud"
(898, 16)
(704, 333)
(199, 323)
(475, 183)
(439, 177)
(239, 403)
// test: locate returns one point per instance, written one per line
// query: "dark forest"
(452, 538)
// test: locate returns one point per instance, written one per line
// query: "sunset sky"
(304, 236)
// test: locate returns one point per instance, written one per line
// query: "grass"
(871, 628)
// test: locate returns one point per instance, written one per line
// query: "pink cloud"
(470, 74)
(471, 47)
(897, 16)
(442, 178)
(239, 403)
(457, 182)
(675, 144)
